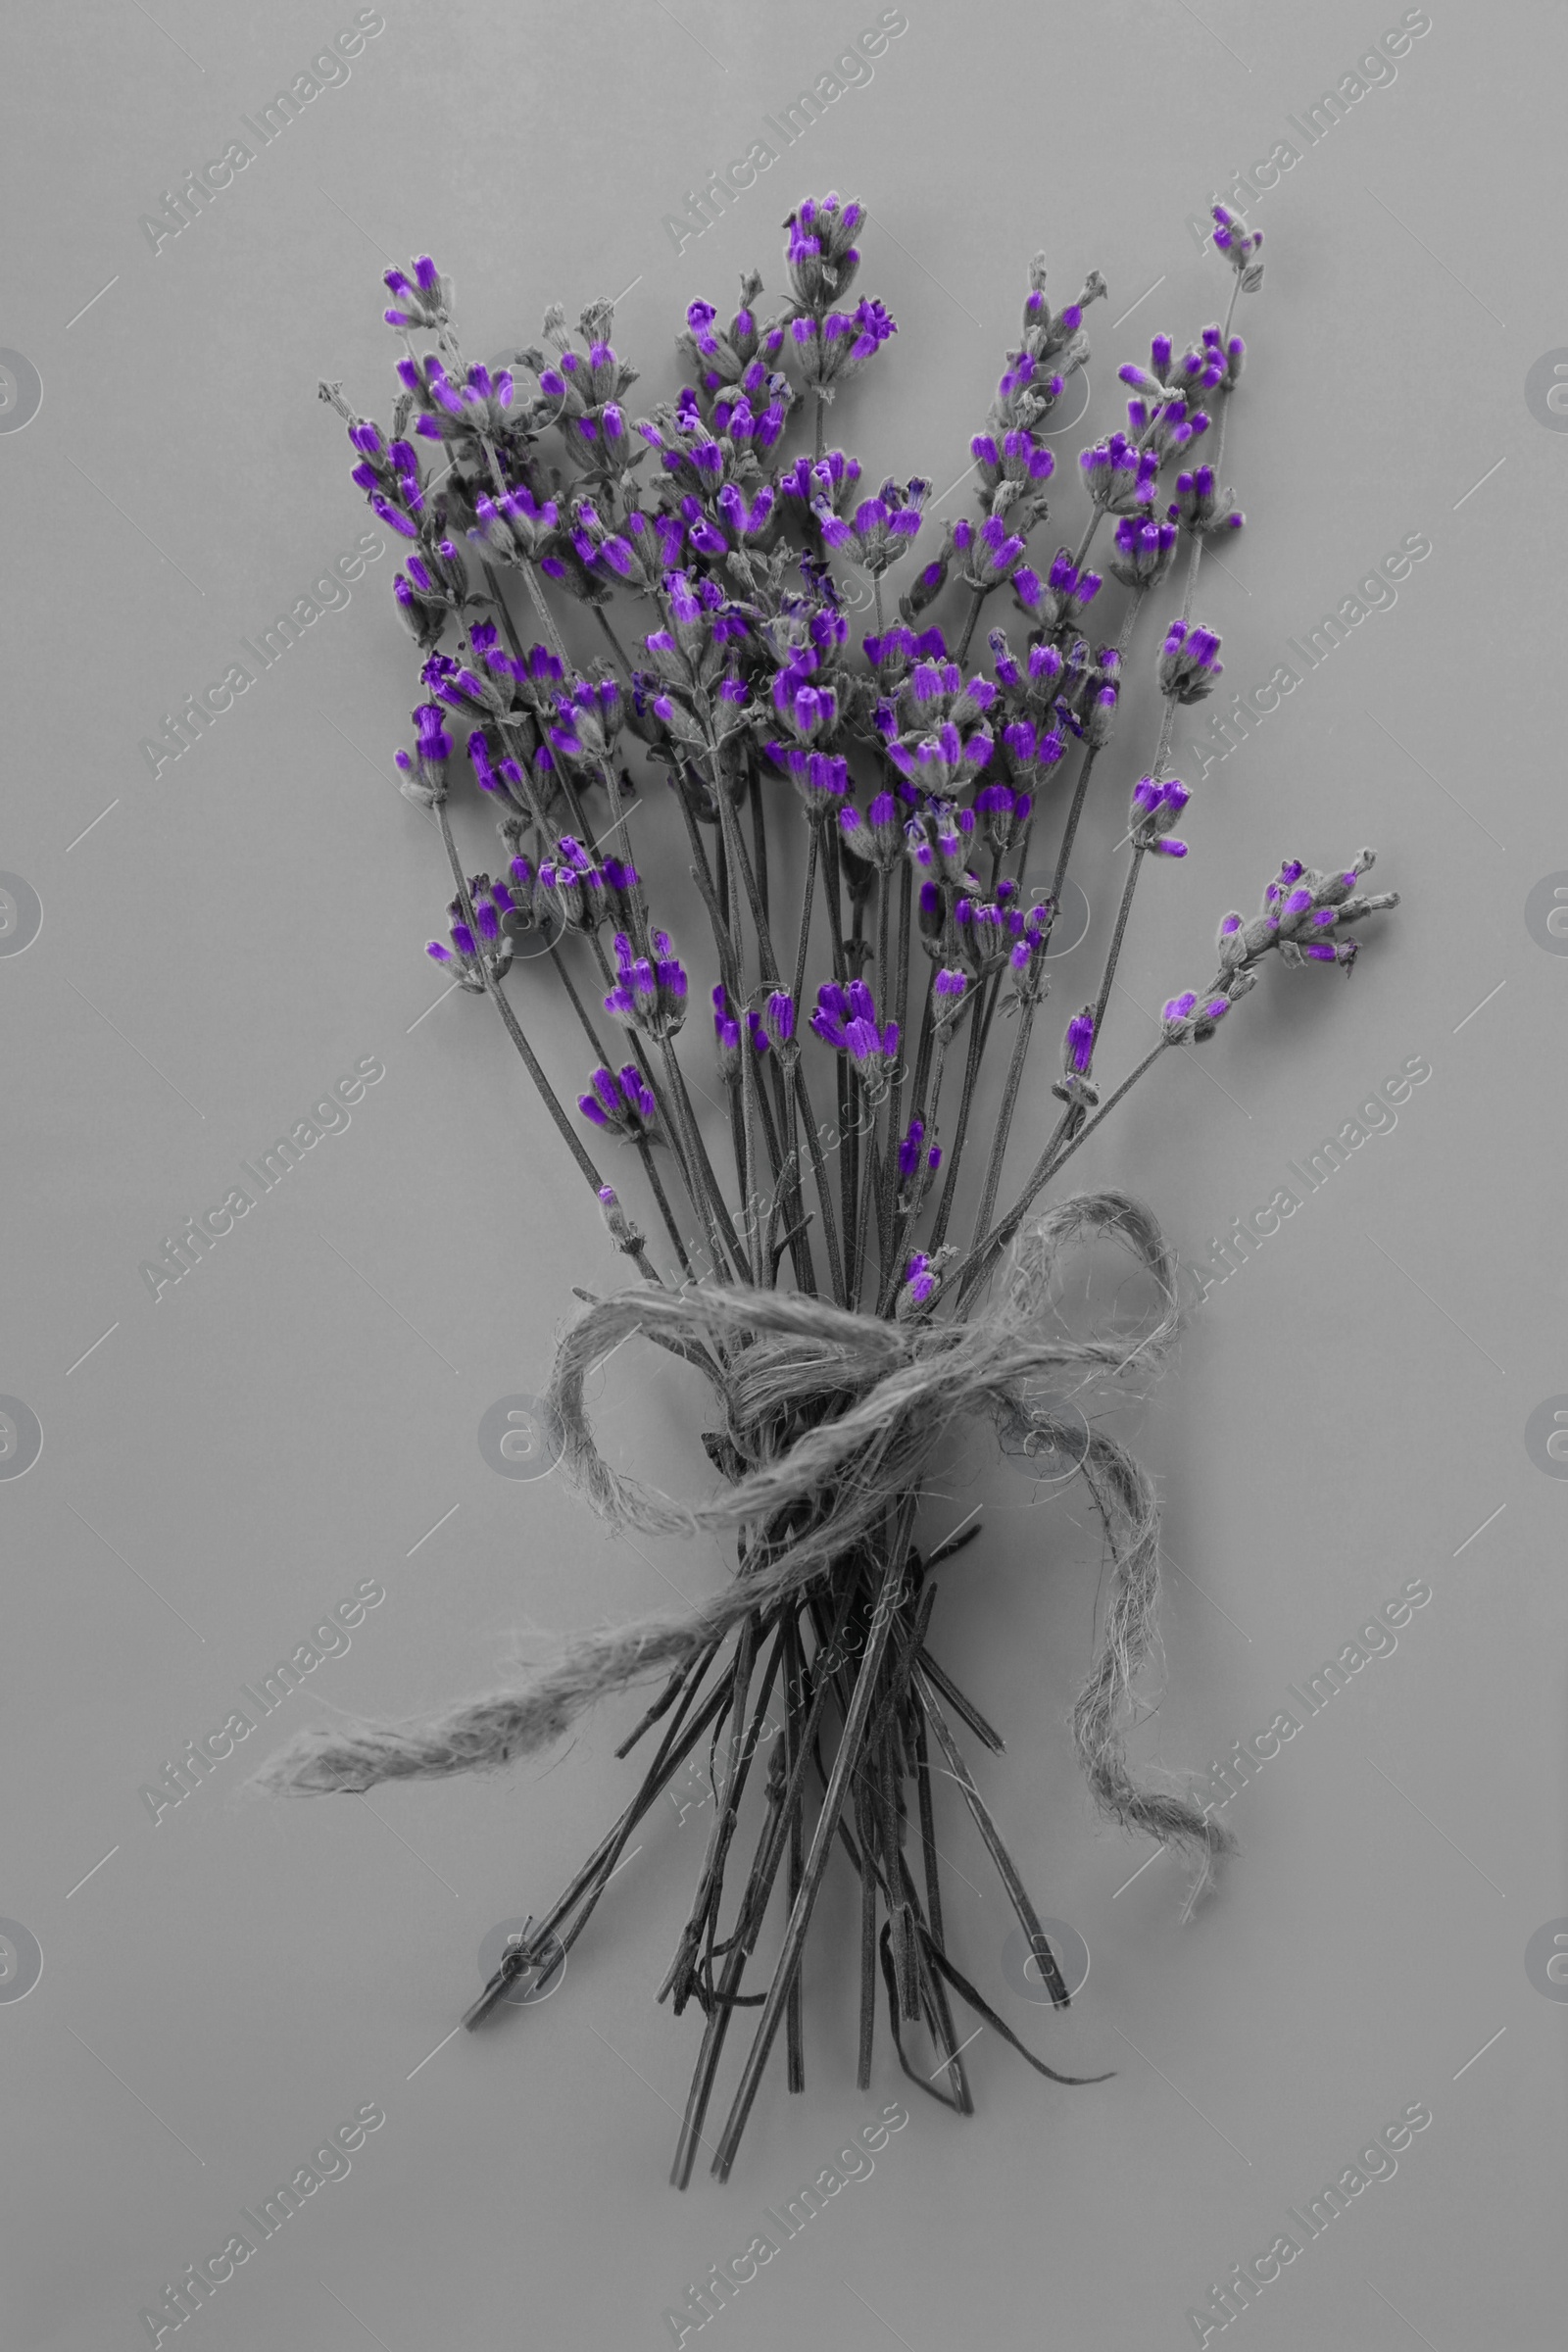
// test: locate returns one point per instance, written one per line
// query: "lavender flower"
(1145, 552)
(582, 392)
(643, 548)
(1189, 662)
(588, 720)
(423, 302)
(622, 1105)
(1300, 912)
(737, 354)
(882, 529)
(949, 993)
(778, 1019)
(829, 480)
(921, 1282)
(1077, 1055)
(846, 1019)
(1198, 505)
(1011, 464)
(1060, 601)
(1188, 1020)
(424, 772)
(983, 932)
(1156, 807)
(1120, 477)
(1238, 244)
(993, 554)
(876, 837)
(483, 945)
(833, 349)
(472, 412)
(622, 1231)
(820, 254)
(518, 527)
(727, 1035)
(1004, 810)
(650, 990)
(576, 888)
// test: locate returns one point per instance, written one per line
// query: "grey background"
(225, 1987)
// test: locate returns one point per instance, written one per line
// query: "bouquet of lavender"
(921, 925)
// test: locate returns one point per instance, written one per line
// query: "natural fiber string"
(786, 1358)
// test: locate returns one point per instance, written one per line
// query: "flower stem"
(979, 598)
(1059, 1149)
(845, 1762)
(1110, 973)
(546, 1093)
(616, 648)
(546, 617)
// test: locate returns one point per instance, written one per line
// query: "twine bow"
(811, 1487)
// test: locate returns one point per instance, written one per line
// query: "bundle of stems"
(928, 794)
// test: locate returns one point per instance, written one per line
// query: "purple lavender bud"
(1079, 1044)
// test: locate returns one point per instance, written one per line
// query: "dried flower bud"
(622, 1231)
(622, 1105)
(1189, 661)
(1238, 244)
